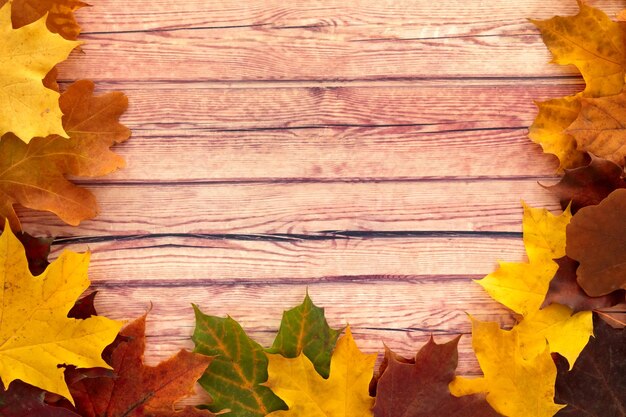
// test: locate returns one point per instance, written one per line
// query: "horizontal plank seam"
(287, 237)
(278, 181)
(340, 280)
(356, 83)
(385, 125)
(270, 26)
(139, 128)
(342, 81)
(173, 29)
(436, 38)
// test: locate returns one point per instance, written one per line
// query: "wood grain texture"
(430, 105)
(249, 45)
(312, 209)
(184, 260)
(371, 152)
(192, 132)
(253, 54)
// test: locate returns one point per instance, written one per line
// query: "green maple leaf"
(235, 376)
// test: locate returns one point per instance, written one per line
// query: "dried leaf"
(593, 43)
(564, 289)
(548, 130)
(60, 13)
(139, 390)
(28, 109)
(599, 128)
(37, 251)
(35, 333)
(419, 387)
(596, 238)
(23, 400)
(596, 387)
(588, 185)
(34, 175)
(344, 394)
(515, 386)
(304, 329)
(239, 367)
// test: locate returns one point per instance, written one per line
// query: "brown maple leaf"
(34, 174)
(419, 387)
(596, 238)
(139, 390)
(60, 19)
(596, 386)
(588, 185)
(564, 289)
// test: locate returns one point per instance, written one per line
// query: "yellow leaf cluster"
(519, 374)
(27, 108)
(344, 394)
(596, 45)
(36, 336)
(515, 386)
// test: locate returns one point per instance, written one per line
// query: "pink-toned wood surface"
(373, 152)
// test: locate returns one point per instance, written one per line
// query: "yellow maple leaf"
(566, 334)
(27, 108)
(345, 392)
(548, 130)
(522, 287)
(592, 42)
(35, 333)
(515, 386)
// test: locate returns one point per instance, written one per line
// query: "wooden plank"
(401, 313)
(431, 106)
(186, 259)
(394, 17)
(255, 53)
(303, 208)
(236, 41)
(328, 154)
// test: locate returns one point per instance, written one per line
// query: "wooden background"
(372, 151)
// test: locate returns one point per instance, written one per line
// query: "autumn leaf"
(28, 109)
(139, 390)
(35, 333)
(548, 130)
(344, 394)
(599, 128)
(60, 14)
(588, 185)
(23, 400)
(419, 387)
(564, 289)
(34, 174)
(596, 387)
(37, 251)
(522, 287)
(567, 333)
(239, 367)
(596, 238)
(304, 329)
(592, 42)
(515, 386)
